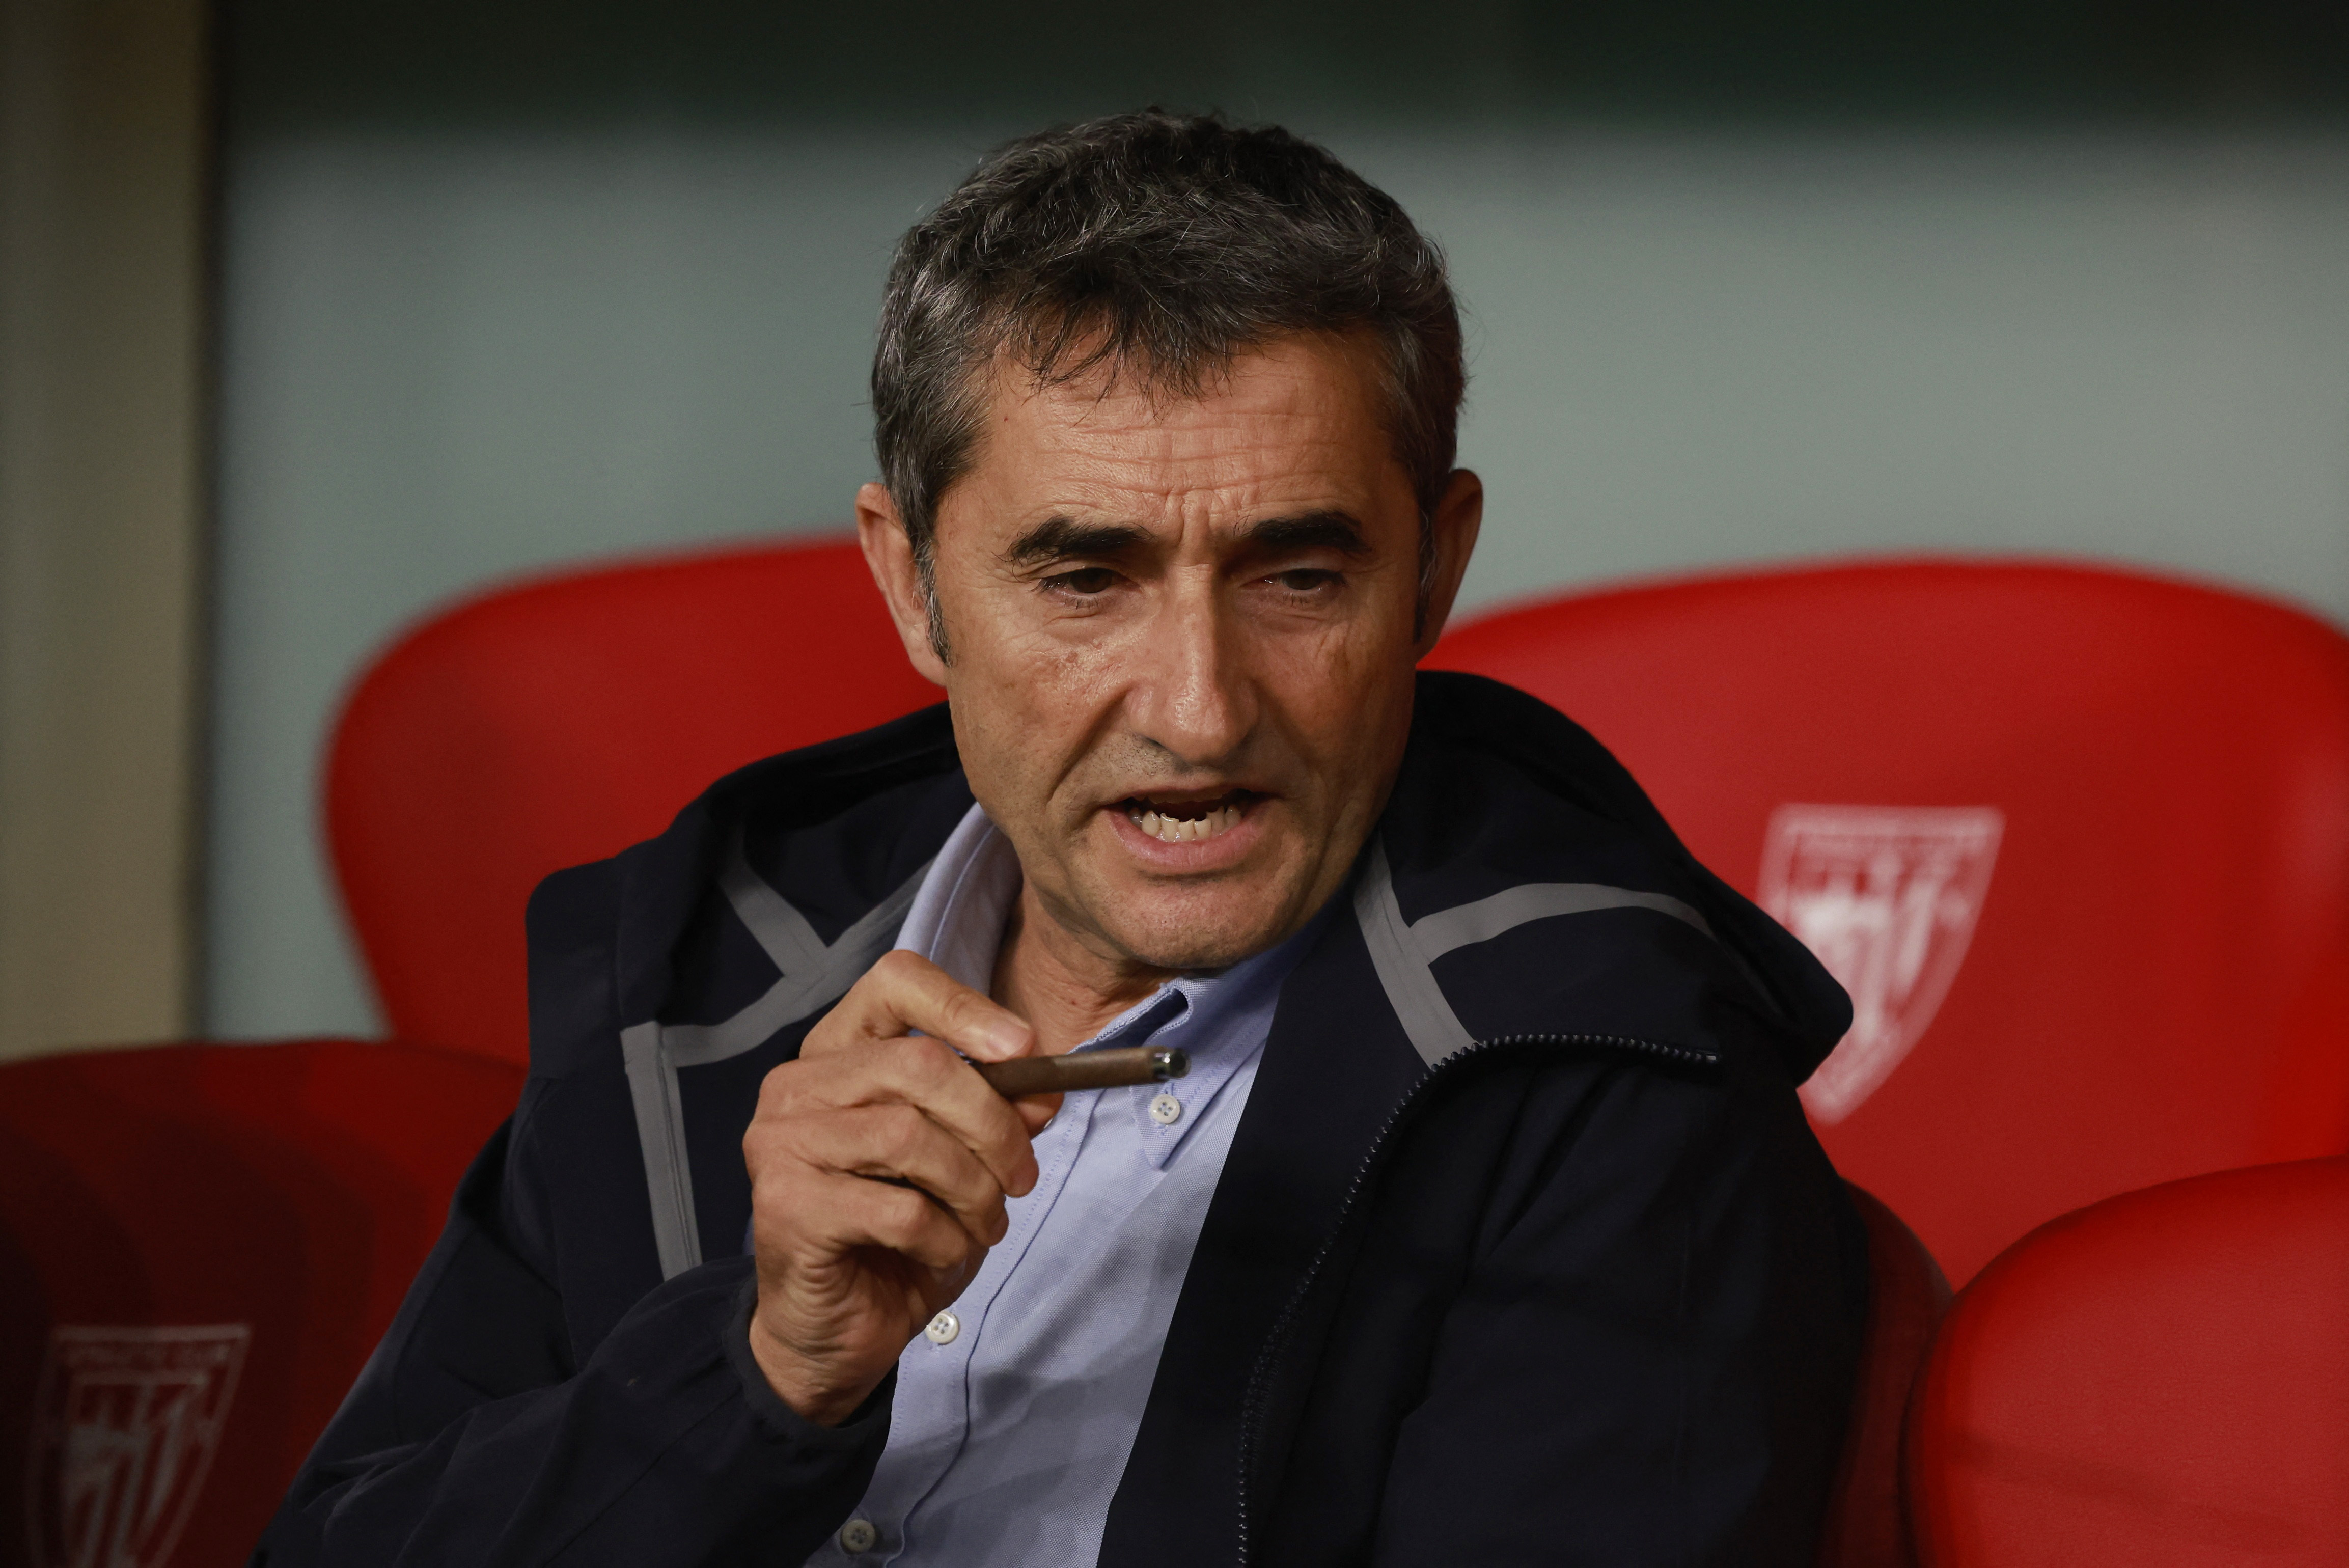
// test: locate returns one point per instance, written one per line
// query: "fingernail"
(1006, 1036)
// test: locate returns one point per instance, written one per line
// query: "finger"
(848, 1212)
(906, 992)
(925, 1073)
(1036, 1111)
(899, 1142)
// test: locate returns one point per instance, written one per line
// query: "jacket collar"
(1506, 815)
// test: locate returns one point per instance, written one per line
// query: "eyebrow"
(1059, 538)
(1312, 531)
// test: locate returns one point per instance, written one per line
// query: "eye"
(1307, 579)
(1085, 581)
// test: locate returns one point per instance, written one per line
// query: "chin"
(1203, 954)
(1195, 938)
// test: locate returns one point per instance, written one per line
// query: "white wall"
(449, 360)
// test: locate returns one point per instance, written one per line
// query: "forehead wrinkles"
(1282, 434)
(1269, 411)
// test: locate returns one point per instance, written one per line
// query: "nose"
(1193, 698)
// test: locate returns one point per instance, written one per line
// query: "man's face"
(1181, 637)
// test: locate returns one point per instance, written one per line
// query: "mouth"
(1172, 820)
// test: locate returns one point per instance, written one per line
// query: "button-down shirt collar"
(958, 918)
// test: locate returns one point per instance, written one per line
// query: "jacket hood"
(1507, 811)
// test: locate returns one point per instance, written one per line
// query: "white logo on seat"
(128, 1420)
(1887, 896)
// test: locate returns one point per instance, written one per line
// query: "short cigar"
(1083, 1070)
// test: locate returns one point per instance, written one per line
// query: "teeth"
(1171, 829)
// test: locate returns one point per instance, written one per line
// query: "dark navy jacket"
(1523, 1252)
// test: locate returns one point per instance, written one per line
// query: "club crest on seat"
(129, 1418)
(1887, 897)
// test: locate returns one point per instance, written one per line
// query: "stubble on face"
(1182, 634)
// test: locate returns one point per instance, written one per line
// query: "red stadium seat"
(557, 721)
(198, 1246)
(395, 1123)
(2090, 828)
(1866, 1524)
(2157, 1381)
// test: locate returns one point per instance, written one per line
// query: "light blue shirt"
(1012, 1421)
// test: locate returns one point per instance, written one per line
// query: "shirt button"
(1166, 1110)
(942, 1329)
(858, 1535)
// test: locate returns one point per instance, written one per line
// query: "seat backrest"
(1867, 1522)
(2159, 1380)
(397, 1124)
(560, 721)
(2078, 842)
(199, 1247)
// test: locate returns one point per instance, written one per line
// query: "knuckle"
(834, 1025)
(933, 1060)
(777, 1087)
(793, 1090)
(900, 1135)
(763, 1147)
(777, 1214)
(896, 968)
(905, 1211)
(964, 1008)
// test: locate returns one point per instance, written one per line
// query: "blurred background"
(312, 316)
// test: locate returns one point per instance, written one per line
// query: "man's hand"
(879, 1163)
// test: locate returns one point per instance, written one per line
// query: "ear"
(1457, 518)
(889, 554)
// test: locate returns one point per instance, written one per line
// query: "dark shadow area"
(444, 64)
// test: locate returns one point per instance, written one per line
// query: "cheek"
(1025, 707)
(1056, 686)
(1339, 686)
(1350, 721)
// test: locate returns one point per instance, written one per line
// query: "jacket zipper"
(1276, 1342)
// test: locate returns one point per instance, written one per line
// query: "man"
(1486, 1227)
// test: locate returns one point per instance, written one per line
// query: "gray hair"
(1159, 245)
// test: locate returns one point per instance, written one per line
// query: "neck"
(1065, 990)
